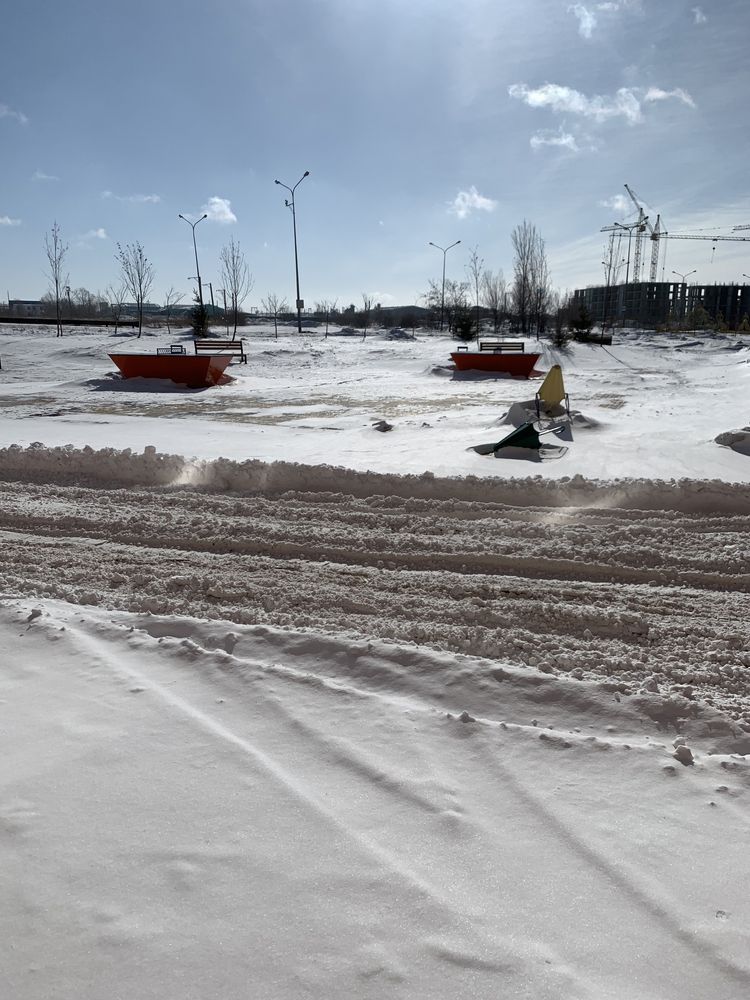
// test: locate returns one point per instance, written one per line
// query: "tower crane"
(642, 229)
(713, 239)
(655, 232)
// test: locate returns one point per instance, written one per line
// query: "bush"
(463, 327)
(199, 319)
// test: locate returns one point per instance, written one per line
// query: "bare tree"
(523, 238)
(541, 288)
(366, 309)
(531, 284)
(456, 302)
(272, 304)
(56, 250)
(171, 299)
(116, 295)
(560, 307)
(493, 296)
(237, 280)
(432, 299)
(327, 307)
(452, 305)
(85, 302)
(474, 274)
(137, 275)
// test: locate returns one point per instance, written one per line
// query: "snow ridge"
(110, 467)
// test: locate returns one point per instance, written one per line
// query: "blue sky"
(418, 121)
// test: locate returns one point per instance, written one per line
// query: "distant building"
(149, 308)
(648, 303)
(27, 307)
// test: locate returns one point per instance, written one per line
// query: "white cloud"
(39, 175)
(563, 99)
(219, 210)
(5, 220)
(548, 137)
(618, 203)
(134, 199)
(698, 16)
(657, 94)
(84, 242)
(625, 103)
(586, 19)
(6, 112)
(466, 202)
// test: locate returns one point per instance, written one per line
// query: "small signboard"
(300, 303)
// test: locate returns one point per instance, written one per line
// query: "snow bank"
(107, 467)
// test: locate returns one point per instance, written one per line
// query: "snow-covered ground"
(650, 405)
(277, 726)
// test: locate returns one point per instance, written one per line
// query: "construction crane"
(641, 229)
(713, 239)
(638, 227)
(655, 233)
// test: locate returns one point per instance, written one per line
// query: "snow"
(292, 708)
(650, 406)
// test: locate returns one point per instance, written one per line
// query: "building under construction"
(652, 303)
(637, 247)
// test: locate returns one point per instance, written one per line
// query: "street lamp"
(444, 251)
(684, 276)
(195, 248)
(684, 298)
(290, 204)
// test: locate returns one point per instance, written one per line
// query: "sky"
(418, 122)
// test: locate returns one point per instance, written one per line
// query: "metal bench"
(211, 346)
(172, 349)
(503, 346)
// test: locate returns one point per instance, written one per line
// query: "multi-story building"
(648, 303)
(27, 307)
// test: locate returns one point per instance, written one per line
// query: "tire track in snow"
(602, 876)
(520, 959)
(616, 594)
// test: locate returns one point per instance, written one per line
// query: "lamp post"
(683, 311)
(444, 251)
(211, 290)
(684, 276)
(290, 204)
(195, 248)
(608, 271)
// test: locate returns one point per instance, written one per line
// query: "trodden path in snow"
(192, 812)
(642, 598)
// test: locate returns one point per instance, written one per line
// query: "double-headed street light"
(684, 276)
(290, 204)
(444, 251)
(195, 248)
